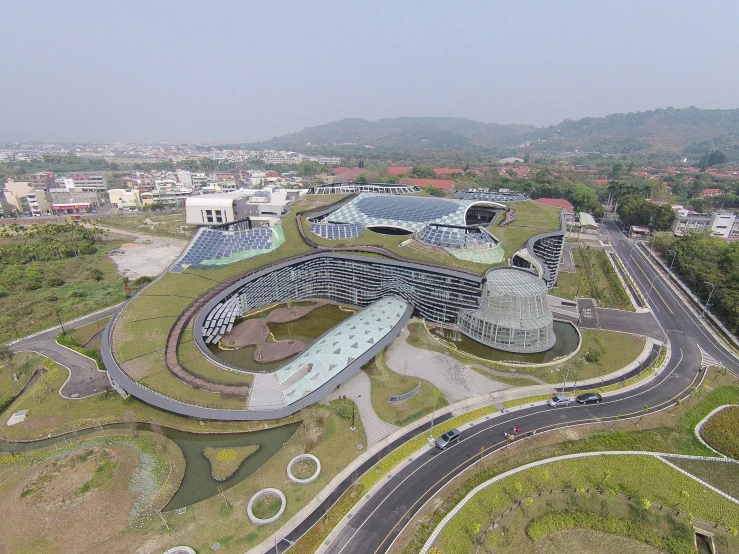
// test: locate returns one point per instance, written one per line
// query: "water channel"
(305, 329)
(197, 482)
(568, 340)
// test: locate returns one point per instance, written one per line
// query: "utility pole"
(433, 413)
(61, 324)
(705, 307)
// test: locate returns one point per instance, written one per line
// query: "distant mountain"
(406, 133)
(676, 130)
(680, 131)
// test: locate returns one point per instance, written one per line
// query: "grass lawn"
(83, 335)
(721, 475)
(325, 434)
(80, 293)
(531, 219)
(667, 431)
(617, 351)
(722, 432)
(51, 414)
(151, 223)
(190, 357)
(386, 383)
(15, 376)
(594, 277)
(641, 477)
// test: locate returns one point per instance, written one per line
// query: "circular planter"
(297, 459)
(254, 519)
(180, 550)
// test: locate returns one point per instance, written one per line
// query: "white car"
(557, 401)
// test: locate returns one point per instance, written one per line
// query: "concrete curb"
(702, 422)
(439, 528)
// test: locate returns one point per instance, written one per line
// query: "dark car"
(448, 438)
(589, 398)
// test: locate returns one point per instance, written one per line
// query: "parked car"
(557, 401)
(448, 438)
(589, 398)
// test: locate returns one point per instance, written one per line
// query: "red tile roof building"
(556, 203)
(399, 169)
(447, 171)
(712, 192)
(445, 184)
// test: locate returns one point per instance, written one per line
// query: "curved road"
(374, 527)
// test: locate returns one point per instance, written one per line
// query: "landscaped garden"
(670, 431)
(594, 277)
(722, 432)
(386, 384)
(532, 218)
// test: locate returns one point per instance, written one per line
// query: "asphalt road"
(84, 377)
(376, 525)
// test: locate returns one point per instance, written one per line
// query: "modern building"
(75, 196)
(409, 214)
(718, 224)
(86, 182)
(14, 191)
(34, 203)
(513, 314)
(217, 209)
(329, 160)
(353, 188)
(71, 208)
(124, 199)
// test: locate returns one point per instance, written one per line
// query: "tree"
(431, 190)
(663, 217)
(361, 179)
(714, 157)
(635, 211)
(361, 164)
(423, 172)
(583, 197)
(526, 158)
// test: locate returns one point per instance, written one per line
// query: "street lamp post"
(705, 306)
(59, 317)
(672, 263)
(353, 404)
(433, 413)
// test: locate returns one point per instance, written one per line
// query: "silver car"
(448, 438)
(557, 401)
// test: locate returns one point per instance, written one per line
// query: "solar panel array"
(453, 237)
(490, 196)
(213, 245)
(407, 208)
(336, 232)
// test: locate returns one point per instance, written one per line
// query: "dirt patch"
(270, 352)
(70, 502)
(286, 315)
(247, 333)
(146, 257)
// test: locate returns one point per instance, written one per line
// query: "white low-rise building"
(220, 208)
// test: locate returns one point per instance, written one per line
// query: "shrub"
(52, 298)
(96, 274)
(78, 294)
(143, 280)
(55, 282)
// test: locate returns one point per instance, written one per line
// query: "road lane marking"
(653, 288)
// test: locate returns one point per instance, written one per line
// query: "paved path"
(447, 374)
(266, 393)
(85, 379)
(358, 389)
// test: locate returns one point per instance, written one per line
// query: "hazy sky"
(244, 71)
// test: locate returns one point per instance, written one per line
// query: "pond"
(306, 329)
(567, 342)
(197, 483)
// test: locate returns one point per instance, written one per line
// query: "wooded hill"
(688, 131)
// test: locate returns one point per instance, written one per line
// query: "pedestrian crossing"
(709, 361)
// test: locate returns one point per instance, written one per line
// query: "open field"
(667, 431)
(70, 499)
(150, 223)
(70, 288)
(531, 219)
(386, 383)
(594, 277)
(85, 334)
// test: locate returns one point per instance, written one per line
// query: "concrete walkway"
(266, 393)
(450, 376)
(358, 389)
